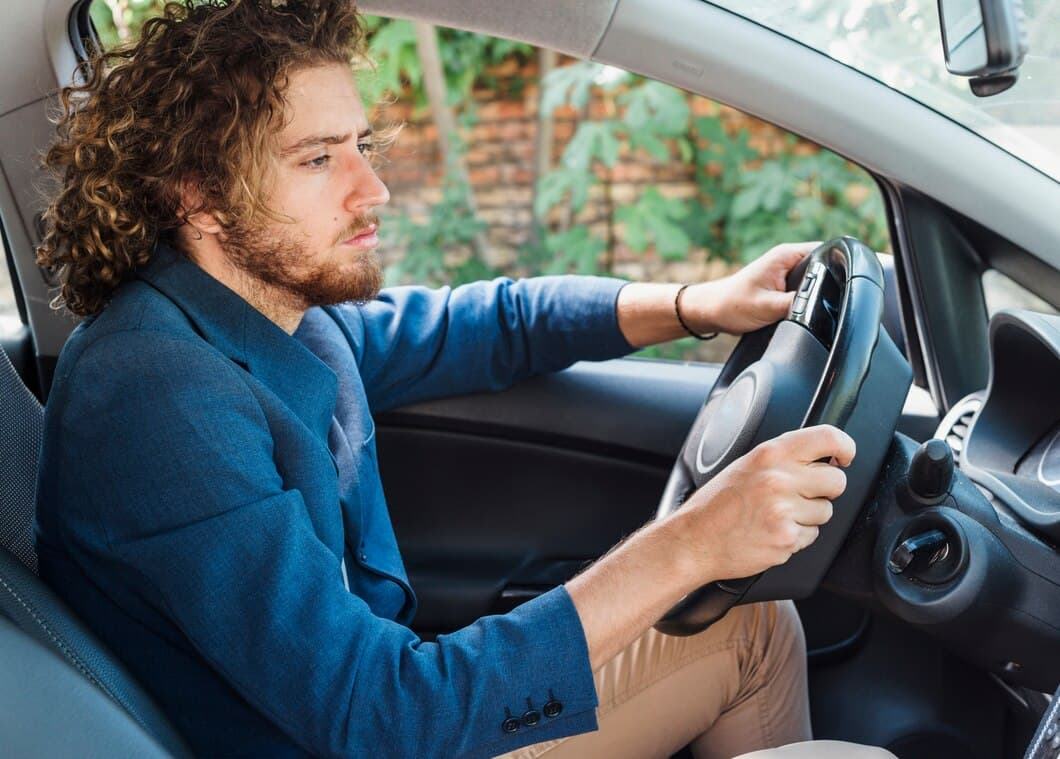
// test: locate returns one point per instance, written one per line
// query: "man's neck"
(279, 306)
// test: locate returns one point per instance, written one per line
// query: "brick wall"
(500, 163)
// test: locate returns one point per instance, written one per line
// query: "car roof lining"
(573, 28)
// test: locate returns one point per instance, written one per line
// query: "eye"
(364, 148)
(319, 162)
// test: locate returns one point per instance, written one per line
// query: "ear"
(202, 222)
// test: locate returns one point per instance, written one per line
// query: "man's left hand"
(750, 299)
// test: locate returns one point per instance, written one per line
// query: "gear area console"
(931, 549)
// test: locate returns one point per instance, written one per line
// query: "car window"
(558, 165)
(509, 160)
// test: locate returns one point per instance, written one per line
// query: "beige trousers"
(737, 687)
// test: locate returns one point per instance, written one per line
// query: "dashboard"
(1042, 462)
(963, 538)
(1012, 448)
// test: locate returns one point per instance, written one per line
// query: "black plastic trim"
(595, 407)
(910, 318)
(951, 322)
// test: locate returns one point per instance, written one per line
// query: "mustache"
(357, 228)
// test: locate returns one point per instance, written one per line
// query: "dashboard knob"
(930, 472)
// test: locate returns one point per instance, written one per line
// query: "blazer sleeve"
(413, 343)
(188, 513)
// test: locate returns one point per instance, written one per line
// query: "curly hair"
(192, 105)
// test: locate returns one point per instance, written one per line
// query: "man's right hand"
(764, 506)
(755, 514)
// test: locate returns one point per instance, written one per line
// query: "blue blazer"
(210, 503)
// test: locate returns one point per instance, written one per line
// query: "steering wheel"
(828, 362)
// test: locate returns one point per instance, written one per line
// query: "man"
(209, 497)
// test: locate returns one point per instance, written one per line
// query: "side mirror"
(984, 40)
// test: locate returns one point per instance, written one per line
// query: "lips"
(372, 230)
(366, 237)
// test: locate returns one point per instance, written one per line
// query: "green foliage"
(656, 109)
(572, 251)
(395, 60)
(653, 219)
(119, 20)
(746, 201)
(755, 202)
(554, 186)
(570, 84)
(449, 225)
(466, 58)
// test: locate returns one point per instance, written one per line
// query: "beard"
(285, 264)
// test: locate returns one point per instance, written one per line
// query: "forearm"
(623, 594)
(414, 344)
(646, 313)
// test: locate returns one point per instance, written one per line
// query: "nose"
(367, 189)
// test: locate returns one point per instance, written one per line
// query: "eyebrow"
(323, 139)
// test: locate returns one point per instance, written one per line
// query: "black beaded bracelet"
(677, 310)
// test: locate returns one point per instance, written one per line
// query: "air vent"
(956, 424)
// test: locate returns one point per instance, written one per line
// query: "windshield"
(898, 42)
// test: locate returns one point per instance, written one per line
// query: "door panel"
(498, 497)
(488, 521)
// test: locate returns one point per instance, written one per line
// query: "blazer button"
(552, 708)
(532, 716)
(510, 725)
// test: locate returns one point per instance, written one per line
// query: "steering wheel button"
(807, 283)
(798, 306)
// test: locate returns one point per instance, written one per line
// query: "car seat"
(45, 708)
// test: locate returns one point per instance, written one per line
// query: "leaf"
(776, 185)
(669, 106)
(654, 218)
(553, 187)
(650, 143)
(671, 242)
(574, 250)
(607, 146)
(569, 84)
(711, 129)
(578, 154)
(684, 149)
(636, 231)
(550, 191)
(593, 141)
(746, 202)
